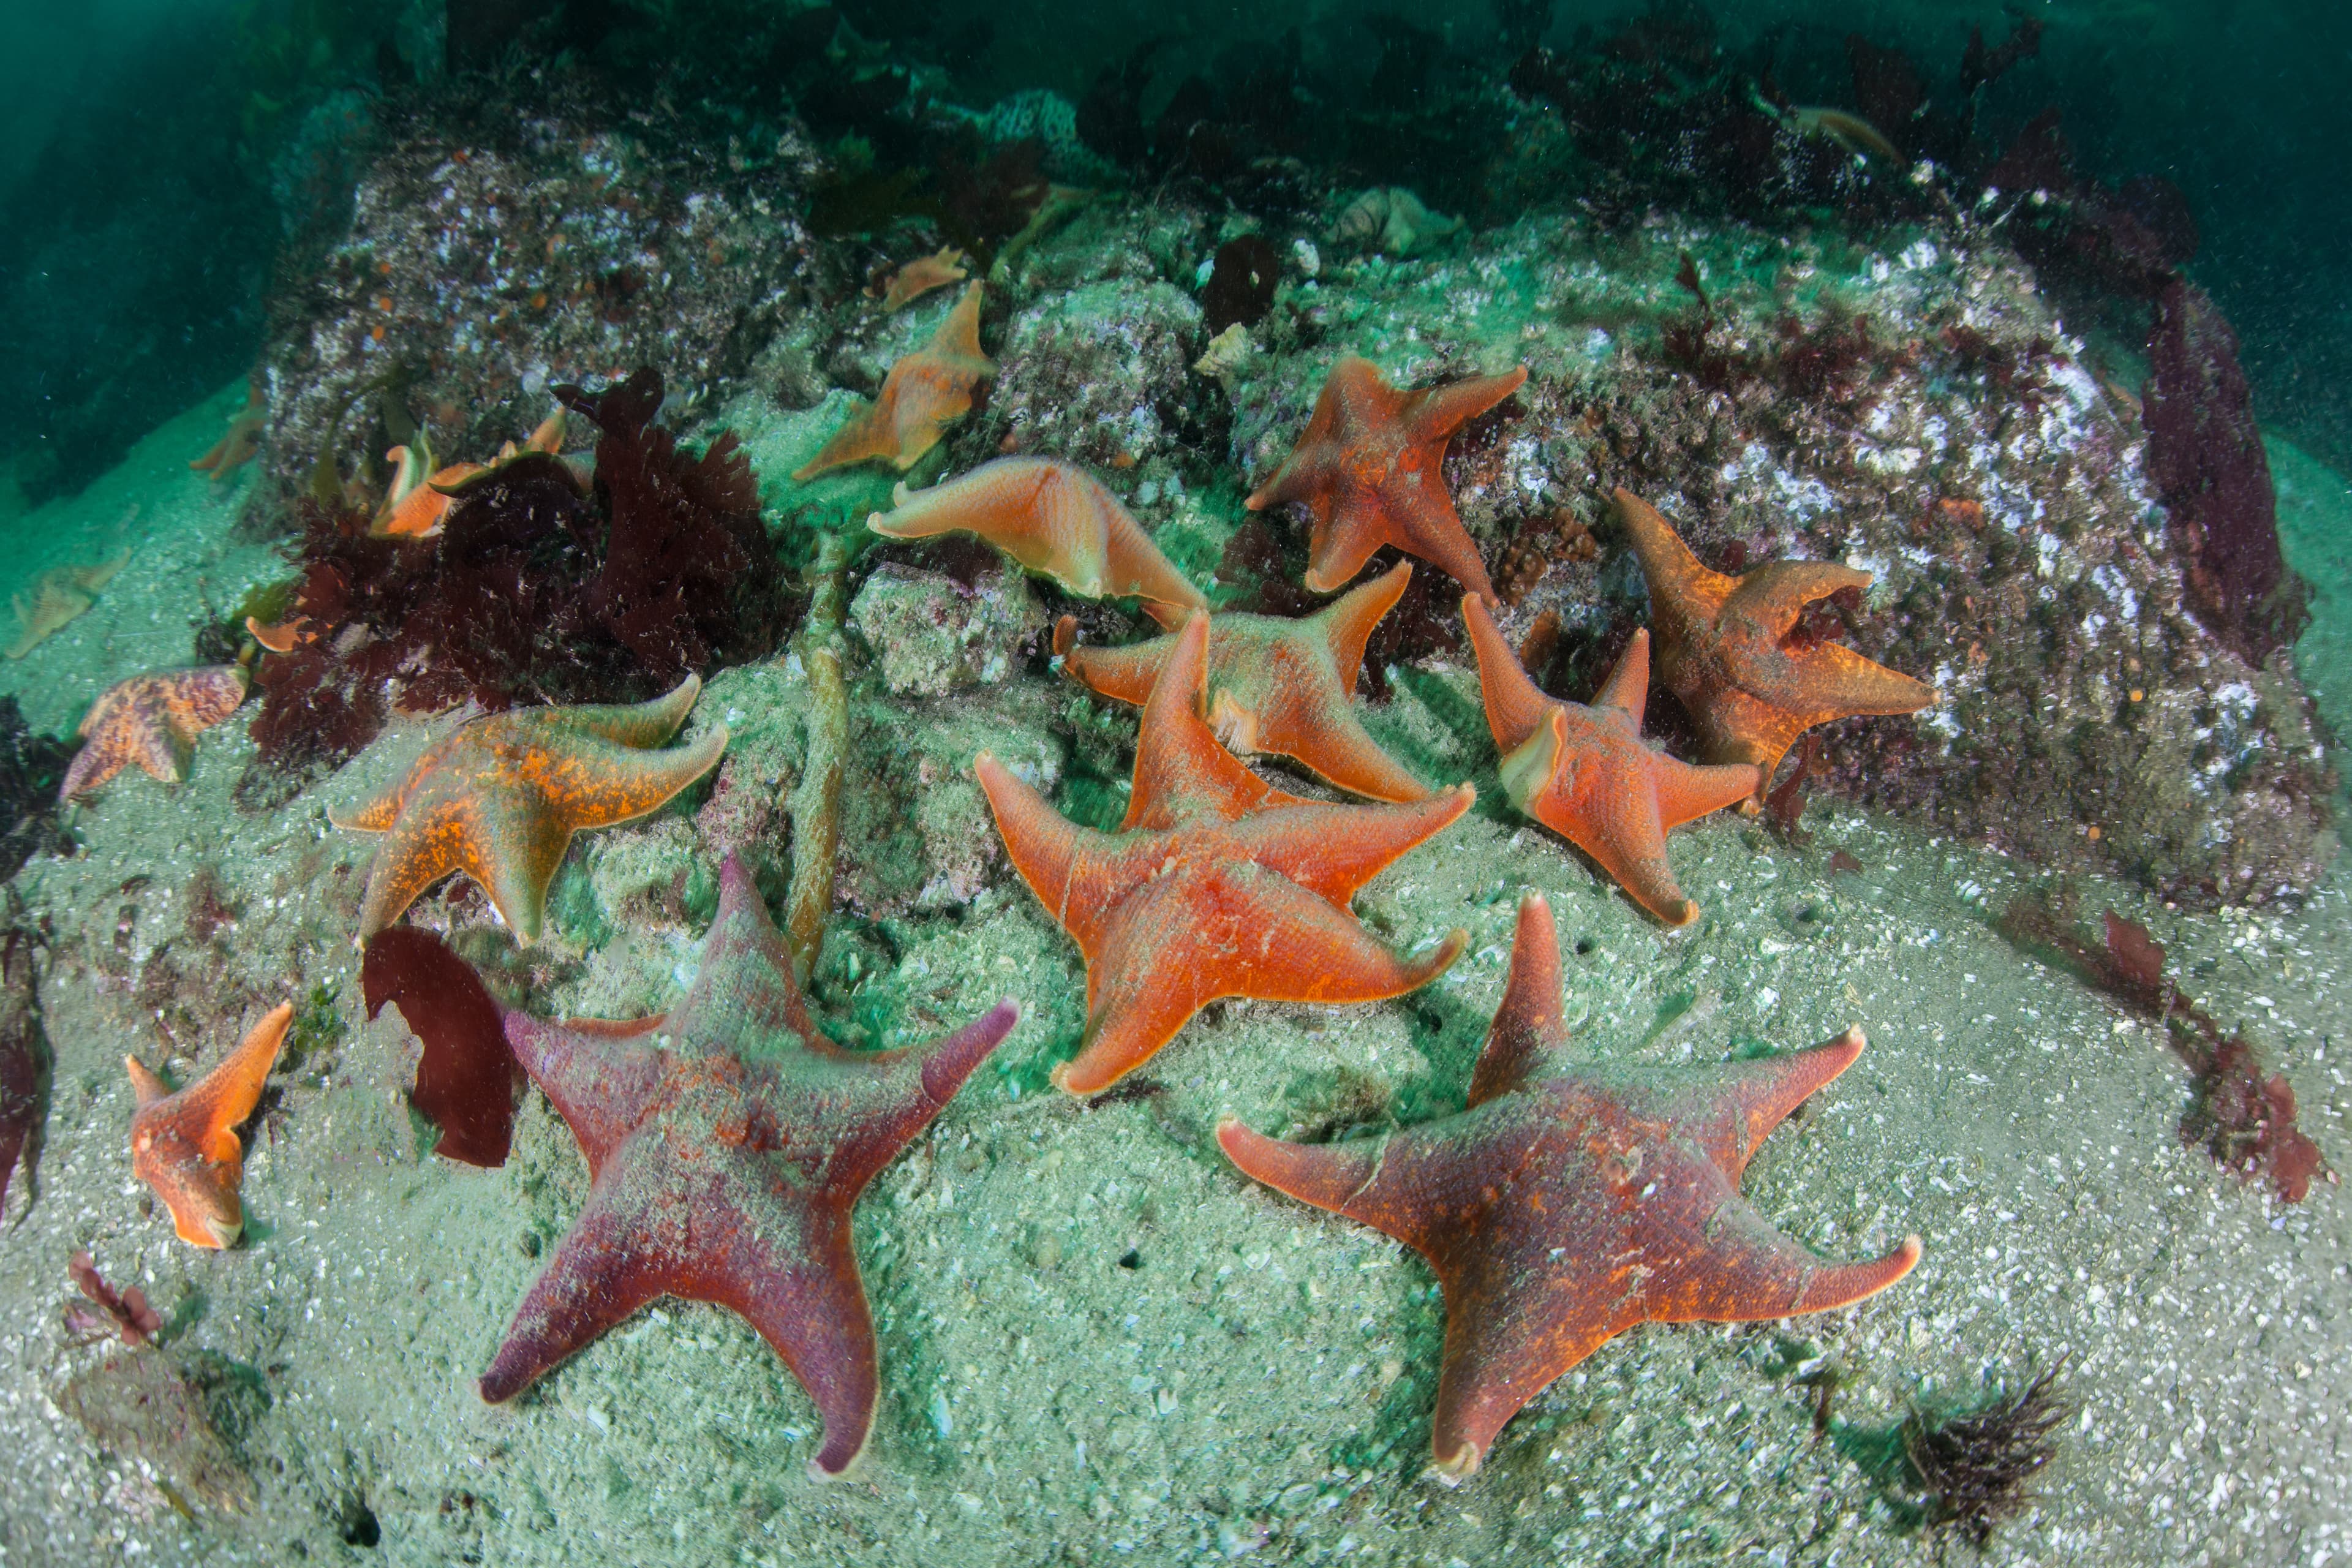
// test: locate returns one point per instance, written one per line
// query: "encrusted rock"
(1098, 374)
(916, 830)
(932, 634)
(478, 270)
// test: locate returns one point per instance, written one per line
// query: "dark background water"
(160, 159)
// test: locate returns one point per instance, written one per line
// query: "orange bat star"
(185, 1145)
(500, 799)
(1369, 468)
(920, 277)
(1216, 884)
(418, 502)
(237, 445)
(152, 721)
(1725, 647)
(1571, 1201)
(925, 392)
(1584, 772)
(1274, 685)
(1058, 520)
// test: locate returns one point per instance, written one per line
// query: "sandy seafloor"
(1100, 1343)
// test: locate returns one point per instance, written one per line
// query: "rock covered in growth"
(931, 635)
(485, 263)
(1909, 406)
(1098, 374)
(915, 827)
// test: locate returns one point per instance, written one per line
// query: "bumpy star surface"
(152, 721)
(1584, 772)
(1369, 468)
(185, 1145)
(1217, 884)
(727, 1143)
(500, 799)
(1570, 1202)
(925, 392)
(1725, 647)
(1058, 520)
(1280, 686)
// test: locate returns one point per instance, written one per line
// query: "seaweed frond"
(1974, 1469)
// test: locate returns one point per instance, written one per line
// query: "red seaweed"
(536, 590)
(2244, 1119)
(467, 1080)
(128, 1311)
(1786, 804)
(24, 1064)
(2206, 457)
(2204, 451)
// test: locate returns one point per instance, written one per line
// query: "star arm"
(866, 435)
(1346, 625)
(1776, 594)
(1516, 707)
(93, 767)
(226, 1096)
(1195, 934)
(1134, 566)
(1435, 413)
(744, 993)
(1350, 523)
(1502, 1349)
(201, 698)
(378, 812)
(630, 724)
(603, 1271)
(1608, 807)
(1333, 850)
(958, 331)
(1122, 674)
(923, 397)
(160, 748)
(1680, 588)
(1686, 792)
(1180, 769)
(1305, 477)
(903, 1090)
(424, 845)
(602, 1076)
(513, 853)
(1847, 684)
(1627, 688)
(1739, 728)
(1320, 729)
(1518, 1308)
(1527, 1029)
(1328, 1175)
(1737, 1267)
(590, 782)
(1044, 845)
(1731, 1108)
(791, 1275)
(1425, 523)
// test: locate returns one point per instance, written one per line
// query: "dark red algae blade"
(21, 1061)
(468, 1082)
